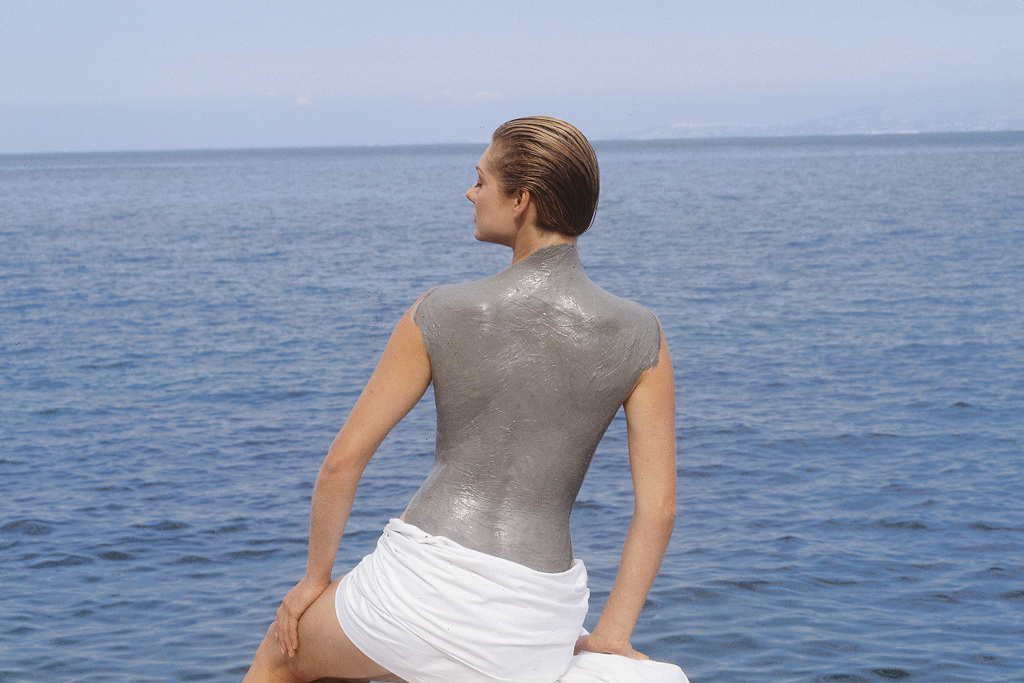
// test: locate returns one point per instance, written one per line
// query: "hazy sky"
(139, 74)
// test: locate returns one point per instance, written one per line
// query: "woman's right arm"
(397, 384)
(650, 421)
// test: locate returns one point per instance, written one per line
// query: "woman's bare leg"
(325, 652)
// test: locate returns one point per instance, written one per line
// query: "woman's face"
(493, 210)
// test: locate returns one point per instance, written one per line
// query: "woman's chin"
(491, 239)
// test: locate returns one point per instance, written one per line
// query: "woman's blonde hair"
(555, 162)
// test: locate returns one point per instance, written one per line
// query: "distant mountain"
(864, 121)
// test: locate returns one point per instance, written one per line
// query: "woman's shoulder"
(642, 327)
(441, 298)
(627, 311)
(631, 308)
(444, 306)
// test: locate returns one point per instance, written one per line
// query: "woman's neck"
(531, 238)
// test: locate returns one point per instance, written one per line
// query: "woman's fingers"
(293, 635)
(287, 627)
(292, 608)
(588, 644)
(282, 636)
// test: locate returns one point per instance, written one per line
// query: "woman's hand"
(589, 643)
(292, 607)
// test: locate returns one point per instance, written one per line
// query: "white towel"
(592, 667)
(432, 611)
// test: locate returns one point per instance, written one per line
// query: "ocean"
(183, 333)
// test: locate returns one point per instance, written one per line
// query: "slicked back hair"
(555, 162)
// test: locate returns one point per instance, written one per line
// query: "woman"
(477, 580)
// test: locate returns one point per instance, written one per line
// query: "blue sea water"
(181, 335)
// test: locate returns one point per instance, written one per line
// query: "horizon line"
(694, 139)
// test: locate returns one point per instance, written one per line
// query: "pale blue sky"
(140, 74)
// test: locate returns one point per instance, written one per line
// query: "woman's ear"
(522, 197)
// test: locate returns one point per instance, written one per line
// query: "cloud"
(449, 96)
(486, 96)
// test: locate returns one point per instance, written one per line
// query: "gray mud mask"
(529, 367)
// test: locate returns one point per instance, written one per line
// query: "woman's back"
(529, 367)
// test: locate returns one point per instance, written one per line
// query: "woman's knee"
(271, 661)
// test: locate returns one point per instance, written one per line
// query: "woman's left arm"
(397, 384)
(650, 420)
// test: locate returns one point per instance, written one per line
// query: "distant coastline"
(714, 135)
(874, 120)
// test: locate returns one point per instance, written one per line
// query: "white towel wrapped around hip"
(432, 611)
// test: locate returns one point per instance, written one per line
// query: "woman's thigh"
(325, 651)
